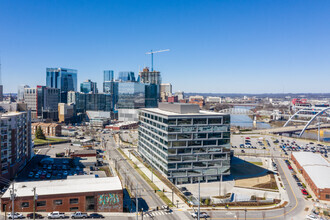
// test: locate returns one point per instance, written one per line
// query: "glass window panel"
(221, 128)
(199, 164)
(184, 121)
(172, 166)
(205, 128)
(184, 165)
(186, 158)
(204, 157)
(209, 142)
(184, 151)
(172, 121)
(184, 136)
(174, 129)
(171, 136)
(226, 119)
(199, 150)
(226, 134)
(214, 135)
(199, 121)
(174, 158)
(214, 120)
(171, 151)
(194, 143)
(215, 149)
(189, 129)
(219, 156)
(179, 143)
(223, 141)
(199, 136)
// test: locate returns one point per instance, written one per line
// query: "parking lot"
(46, 166)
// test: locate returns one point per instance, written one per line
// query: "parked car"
(36, 215)
(16, 215)
(56, 215)
(304, 192)
(48, 176)
(311, 217)
(96, 215)
(242, 151)
(77, 215)
(31, 175)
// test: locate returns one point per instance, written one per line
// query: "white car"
(16, 215)
(311, 217)
(201, 215)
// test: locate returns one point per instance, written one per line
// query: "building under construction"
(152, 77)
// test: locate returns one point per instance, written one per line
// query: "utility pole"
(12, 196)
(245, 211)
(199, 199)
(172, 197)
(220, 182)
(137, 202)
(34, 203)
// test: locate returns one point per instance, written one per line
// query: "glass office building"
(184, 143)
(108, 75)
(131, 95)
(91, 102)
(126, 76)
(63, 79)
(88, 87)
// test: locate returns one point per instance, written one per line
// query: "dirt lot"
(265, 182)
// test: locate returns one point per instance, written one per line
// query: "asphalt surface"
(147, 197)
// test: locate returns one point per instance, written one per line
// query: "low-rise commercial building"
(124, 125)
(316, 171)
(185, 144)
(49, 129)
(82, 194)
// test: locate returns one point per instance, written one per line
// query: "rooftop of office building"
(177, 109)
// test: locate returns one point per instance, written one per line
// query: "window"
(201, 135)
(72, 209)
(41, 203)
(58, 202)
(25, 204)
(205, 128)
(174, 129)
(327, 196)
(172, 121)
(226, 134)
(199, 121)
(226, 119)
(171, 136)
(194, 143)
(184, 151)
(210, 142)
(184, 121)
(184, 136)
(171, 151)
(214, 120)
(179, 144)
(74, 201)
(215, 135)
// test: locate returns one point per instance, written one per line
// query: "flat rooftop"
(67, 186)
(317, 168)
(180, 109)
(309, 158)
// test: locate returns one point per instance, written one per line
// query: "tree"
(40, 134)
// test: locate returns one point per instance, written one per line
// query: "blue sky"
(215, 46)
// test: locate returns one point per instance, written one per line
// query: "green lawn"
(256, 163)
(48, 140)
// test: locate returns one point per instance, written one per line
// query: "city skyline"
(252, 46)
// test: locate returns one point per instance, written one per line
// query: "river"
(244, 121)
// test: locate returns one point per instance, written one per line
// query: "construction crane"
(152, 56)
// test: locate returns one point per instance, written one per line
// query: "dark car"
(37, 216)
(96, 215)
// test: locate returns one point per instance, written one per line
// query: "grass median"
(48, 141)
(159, 192)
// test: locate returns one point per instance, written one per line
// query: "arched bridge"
(306, 116)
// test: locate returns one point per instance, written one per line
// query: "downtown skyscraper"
(63, 79)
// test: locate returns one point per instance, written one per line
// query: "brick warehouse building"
(316, 171)
(82, 194)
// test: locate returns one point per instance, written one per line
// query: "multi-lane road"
(294, 209)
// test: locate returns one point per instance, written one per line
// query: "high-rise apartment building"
(184, 143)
(43, 102)
(63, 79)
(108, 75)
(88, 87)
(16, 142)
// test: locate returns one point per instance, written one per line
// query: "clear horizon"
(224, 47)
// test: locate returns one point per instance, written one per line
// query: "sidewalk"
(168, 192)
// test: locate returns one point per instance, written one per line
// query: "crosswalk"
(157, 213)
